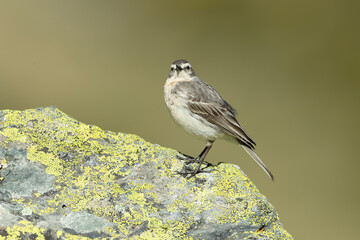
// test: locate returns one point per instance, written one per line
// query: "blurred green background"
(290, 68)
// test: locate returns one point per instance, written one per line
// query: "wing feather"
(206, 102)
(224, 119)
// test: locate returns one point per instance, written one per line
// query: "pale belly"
(195, 124)
(192, 123)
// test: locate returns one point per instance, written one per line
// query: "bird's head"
(182, 69)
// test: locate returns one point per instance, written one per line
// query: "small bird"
(201, 111)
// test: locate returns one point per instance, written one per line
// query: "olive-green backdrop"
(290, 68)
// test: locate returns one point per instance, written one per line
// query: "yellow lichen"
(3, 163)
(23, 227)
(58, 234)
(13, 134)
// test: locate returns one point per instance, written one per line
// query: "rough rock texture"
(62, 179)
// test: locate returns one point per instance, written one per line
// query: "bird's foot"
(188, 159)
(189, 172)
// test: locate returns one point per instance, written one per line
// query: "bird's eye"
(188, 67)
(172, 69)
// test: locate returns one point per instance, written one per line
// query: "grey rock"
(7, 218)
(82, 222)
(37, 180)
(62, 179)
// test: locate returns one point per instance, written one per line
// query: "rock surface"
(62, 179)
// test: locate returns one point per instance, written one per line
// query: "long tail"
(258, 161)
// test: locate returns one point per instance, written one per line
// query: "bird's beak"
(178, 68)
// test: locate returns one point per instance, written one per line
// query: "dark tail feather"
(258, 161)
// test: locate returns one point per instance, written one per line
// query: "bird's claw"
(188, 172)
(188, 159)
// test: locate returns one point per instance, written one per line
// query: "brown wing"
(224, 118)
(206, 102)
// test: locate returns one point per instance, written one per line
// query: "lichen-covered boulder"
(62, 179)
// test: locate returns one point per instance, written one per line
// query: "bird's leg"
(190, 159)
(202, 157)
(199, 159)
